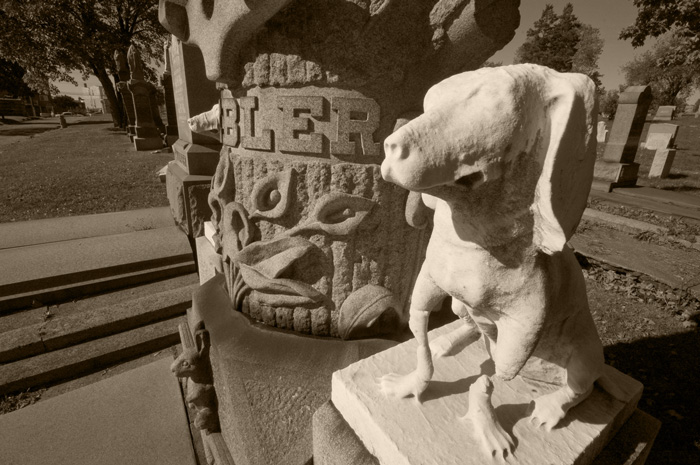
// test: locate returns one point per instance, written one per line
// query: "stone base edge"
(335, 442)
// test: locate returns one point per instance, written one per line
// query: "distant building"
(95, 99)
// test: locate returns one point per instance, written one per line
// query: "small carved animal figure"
(193, 362)
(505, 155)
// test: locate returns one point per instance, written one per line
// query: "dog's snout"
(395, 150)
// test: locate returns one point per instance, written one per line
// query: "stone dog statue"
(505, 157)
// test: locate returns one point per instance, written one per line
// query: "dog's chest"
(467, 273)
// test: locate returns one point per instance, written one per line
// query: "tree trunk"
(114, 106)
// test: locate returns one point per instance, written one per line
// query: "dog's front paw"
(494, 440)
(394, 385)
(548, 411)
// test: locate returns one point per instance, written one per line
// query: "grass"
(87, 168)
(685, 171)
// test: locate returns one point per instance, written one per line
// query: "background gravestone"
(617, 168)
(188, 178)
(147, 133)
(665, 113)
(123, 89)
(166, 81)
(661, 166)
(661, 136)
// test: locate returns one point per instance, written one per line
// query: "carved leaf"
(368, 312)
(270, 196)
(338, 214)
(261, 264)
(237, 230)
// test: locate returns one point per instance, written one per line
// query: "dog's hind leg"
(456, 340)
(426, 296)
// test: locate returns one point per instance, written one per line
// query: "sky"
(610, 16)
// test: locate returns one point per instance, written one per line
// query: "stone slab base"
(335, 443)
(618, 174)
(402, 431)
(147, 143)
(137, 417)
(269, 382)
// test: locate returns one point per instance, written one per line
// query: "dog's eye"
(470, 179)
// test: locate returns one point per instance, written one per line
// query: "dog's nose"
(395, 150)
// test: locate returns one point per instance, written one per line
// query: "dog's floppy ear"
(560, 197)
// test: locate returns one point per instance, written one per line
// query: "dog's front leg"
(426, 296)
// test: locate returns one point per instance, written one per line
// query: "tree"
(670, 83)
(657, 17)
(51, 39)
(563, 43)
(63, 103)
(11, 82)
(608, 103)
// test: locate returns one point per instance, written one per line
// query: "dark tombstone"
(166, 81)
(617, 168)
(123, 89)
(147, 134)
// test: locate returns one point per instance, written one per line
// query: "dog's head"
(526, 127)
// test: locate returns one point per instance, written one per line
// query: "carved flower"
(270, 196)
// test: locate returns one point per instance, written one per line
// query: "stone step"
(656, 205)
(88, 357)
(46, 273)
(135, 418)
(71, 328)
(25, 233)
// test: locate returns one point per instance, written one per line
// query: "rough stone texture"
(622, 223)
(627, 128)
(665, 113)
(401, 431)
(269, 382)
(656, 129)
(335, 443)
(302, 103)
(663, 160)
(187, 195)
(136, 417)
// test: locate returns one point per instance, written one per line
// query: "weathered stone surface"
(335, 443)
(398, 431)
(661, 166)
(658, 141)
(136, 417)
(665, 113)
(657, 129)
(187, 195)
(627, 127)
(269, 382)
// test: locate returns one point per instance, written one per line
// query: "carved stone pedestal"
(268, 382)
(187, 195)
(402, 431)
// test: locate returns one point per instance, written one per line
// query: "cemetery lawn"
(685, 171)
(89, 167)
